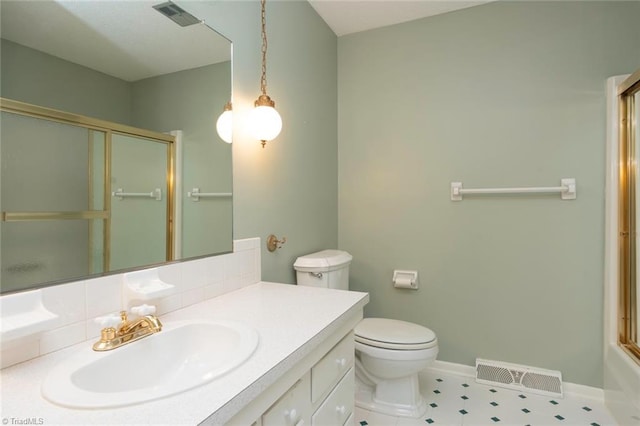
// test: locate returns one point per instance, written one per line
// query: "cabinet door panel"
(326, 373)
(338, 406)
(293, 408)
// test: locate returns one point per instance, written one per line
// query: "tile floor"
(458, 400)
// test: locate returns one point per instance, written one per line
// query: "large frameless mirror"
(110, 159)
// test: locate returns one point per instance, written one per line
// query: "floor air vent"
(519, 377)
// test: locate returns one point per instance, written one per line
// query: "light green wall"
(290, 187)
(191, 101)
(504, 94)
(509, 93)
(37, 78)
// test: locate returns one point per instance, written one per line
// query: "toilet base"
(366, 398)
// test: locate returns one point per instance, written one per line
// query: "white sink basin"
(180, 357)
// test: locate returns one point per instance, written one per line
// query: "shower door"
(52, 214)
(80, 196)
(139, 225)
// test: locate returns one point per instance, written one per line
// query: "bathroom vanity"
(300, 373)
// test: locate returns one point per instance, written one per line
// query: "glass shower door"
(139, 228)
(80, 196)
(49, 213)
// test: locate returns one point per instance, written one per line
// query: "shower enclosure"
(622, 250)
(80, 196)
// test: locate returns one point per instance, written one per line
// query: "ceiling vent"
(176, 14)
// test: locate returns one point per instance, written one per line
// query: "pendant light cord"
(263, 79)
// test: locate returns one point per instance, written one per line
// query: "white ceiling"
(126, 39)
(131, 40)
(351, 16)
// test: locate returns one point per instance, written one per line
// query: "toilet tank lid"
(325, 260)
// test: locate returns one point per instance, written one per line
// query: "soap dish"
(23, 314)
(145, 285)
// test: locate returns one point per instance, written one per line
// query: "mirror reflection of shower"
(67, 220)
(132, 66)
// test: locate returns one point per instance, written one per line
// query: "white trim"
(583, 391)
(453, 368)
(246, 244)
(611, 215)
(177, 195)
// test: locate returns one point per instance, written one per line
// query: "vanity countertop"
(291, 321)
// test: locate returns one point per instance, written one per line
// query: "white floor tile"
(359, 415)
(405, 421)
(377, 419)
(459, 401)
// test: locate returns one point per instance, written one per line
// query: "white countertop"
(291, 321)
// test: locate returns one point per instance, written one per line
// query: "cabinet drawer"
(293, 408)
(338, 406)
(326, 373)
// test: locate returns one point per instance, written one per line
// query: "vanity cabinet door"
(293, 408)
(338, 406)
(326, 373)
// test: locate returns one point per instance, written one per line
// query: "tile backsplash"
(79, 303)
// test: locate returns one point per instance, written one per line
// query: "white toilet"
(389, 353)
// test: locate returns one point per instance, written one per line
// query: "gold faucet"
(127, 331)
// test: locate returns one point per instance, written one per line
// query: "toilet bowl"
(389, 353)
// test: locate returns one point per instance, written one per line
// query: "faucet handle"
(143, 310)
(108, 320)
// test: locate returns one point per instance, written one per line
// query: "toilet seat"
(395, 346)
(397, 355)
(394, 334)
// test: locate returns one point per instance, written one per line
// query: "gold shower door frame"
(108, 128)
(628, 316)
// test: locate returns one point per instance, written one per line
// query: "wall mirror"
(110, 159)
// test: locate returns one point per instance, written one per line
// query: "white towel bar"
(156, 194)
(195, 194)
(567, 190)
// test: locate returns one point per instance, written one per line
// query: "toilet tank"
(327, 268)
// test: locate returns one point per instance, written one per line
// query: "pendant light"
(224, 125)
(265, 123)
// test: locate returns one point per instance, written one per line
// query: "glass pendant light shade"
(265, 122)
(224, 125)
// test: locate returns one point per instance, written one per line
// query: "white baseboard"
(453, 368)
(583, 391)
(570, 389)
